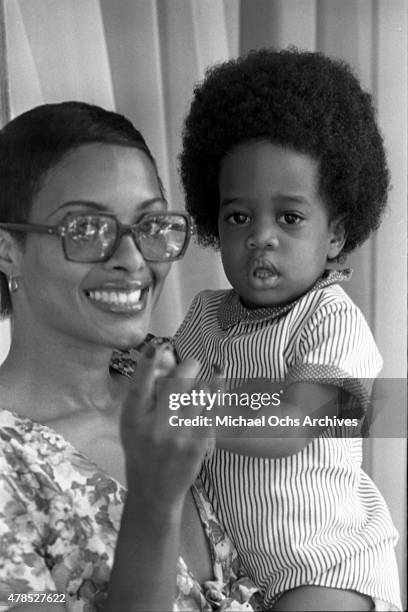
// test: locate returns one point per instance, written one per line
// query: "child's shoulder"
(327, 301)
(204, 307)
(210, 298)
(330, 303)
(327, 292)
(335, 295)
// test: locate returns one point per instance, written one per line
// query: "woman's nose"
(127, 256)
(262, 235)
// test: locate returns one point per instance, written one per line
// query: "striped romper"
(314, 517)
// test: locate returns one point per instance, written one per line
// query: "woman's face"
(105, 303)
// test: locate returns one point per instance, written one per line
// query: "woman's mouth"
(126, 301)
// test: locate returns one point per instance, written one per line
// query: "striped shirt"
(314, 517)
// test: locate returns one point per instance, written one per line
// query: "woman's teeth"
(122, 299)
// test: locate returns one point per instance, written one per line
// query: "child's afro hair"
(302, 100)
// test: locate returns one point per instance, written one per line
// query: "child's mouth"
(262, 274)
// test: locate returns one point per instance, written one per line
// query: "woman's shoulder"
(55, 506)
(21, 436)
(36, 453)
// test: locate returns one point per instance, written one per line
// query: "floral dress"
(59, 521)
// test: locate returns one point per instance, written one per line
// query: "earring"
(13, 283)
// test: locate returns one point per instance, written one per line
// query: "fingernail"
(167, 346)
(150, 351)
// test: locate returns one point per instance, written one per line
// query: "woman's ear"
(9, 254)
(337, 237)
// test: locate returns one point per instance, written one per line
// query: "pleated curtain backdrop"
(143, 57)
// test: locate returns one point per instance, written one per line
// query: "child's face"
(274, 228)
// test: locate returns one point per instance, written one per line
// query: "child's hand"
(161, 461)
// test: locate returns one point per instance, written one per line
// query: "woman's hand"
(161, 461)
(161, 464)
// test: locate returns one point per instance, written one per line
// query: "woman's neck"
(34, 374)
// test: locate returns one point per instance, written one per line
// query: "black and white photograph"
(203, 305)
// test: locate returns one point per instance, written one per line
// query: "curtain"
(4, 115)
(143, 57)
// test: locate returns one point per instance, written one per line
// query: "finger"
(178, 397)
(195, 414)
(203, 436)
(143, 380)
(187, 369)
(166, 360)
(179, 380)
(207, 413)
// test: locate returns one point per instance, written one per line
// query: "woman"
(86, 242)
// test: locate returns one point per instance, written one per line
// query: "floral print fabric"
(59, 520)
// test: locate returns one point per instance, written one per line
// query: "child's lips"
(261, 264)
(262, 274)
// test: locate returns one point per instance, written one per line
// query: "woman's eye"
(291, 218)
(83, 229)
(237, 218)
(150, 227)
(90, 228)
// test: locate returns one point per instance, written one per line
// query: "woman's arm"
(144, 572)
(161, 465)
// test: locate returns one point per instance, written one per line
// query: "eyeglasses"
(94, 237)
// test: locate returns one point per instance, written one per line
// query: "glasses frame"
(123, 229)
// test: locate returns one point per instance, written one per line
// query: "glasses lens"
(89, 238)
(162, 237)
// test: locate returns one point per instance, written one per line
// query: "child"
(284, 170)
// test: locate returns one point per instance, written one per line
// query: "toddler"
(284, 171)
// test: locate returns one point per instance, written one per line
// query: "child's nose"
(263, 235)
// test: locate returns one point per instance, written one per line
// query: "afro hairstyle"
(301, 100)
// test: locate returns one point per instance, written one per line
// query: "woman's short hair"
(34, 142)
(301, 100)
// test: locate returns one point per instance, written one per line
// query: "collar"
(231, 310)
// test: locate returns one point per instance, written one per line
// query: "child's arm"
(270, 439)
(335, 360)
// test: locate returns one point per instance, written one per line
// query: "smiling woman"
(115, 179)
(86, 242)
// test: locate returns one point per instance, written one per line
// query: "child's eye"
(237, 218)
(291, 218)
